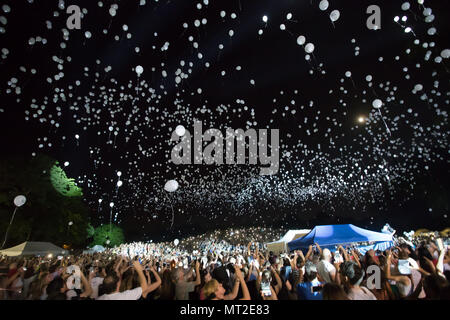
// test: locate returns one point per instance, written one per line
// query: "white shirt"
(133, 294)
(361, 293)
(324, 269)
(95, 283)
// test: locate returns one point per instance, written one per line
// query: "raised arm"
(86, 285)
(308, 254)
(153, 286)
(233, 294)
(250, 271)
(142, 281)
(198, 279)
(279, 285)
(245, 293)
(389, 276)
(319, 248)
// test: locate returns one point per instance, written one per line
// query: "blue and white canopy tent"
(331, 236)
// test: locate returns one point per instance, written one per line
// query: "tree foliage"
(107, 232)
(47, 212)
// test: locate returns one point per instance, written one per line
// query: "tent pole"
(6, 235)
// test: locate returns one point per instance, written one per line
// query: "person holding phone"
(311, 289)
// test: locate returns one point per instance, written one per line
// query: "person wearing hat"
(311, 288)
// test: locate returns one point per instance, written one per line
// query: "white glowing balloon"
(348, 74)
(418, 87)
(335, 15)
(20, 201)
(180, 130)
(119, 183)
(406, 6)
(119, 173)
(171, 186)
(369, 78)
(87, 34)
(108, 242)
(377, 103)
(139, 70)
(309, 48)
(111, 204)
(301, 40)
(323, 5)
(265, 19)
(176, 242)
(70, 223)
(445, 53)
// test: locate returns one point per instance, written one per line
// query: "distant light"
(49, 256)
(77, 136)
(100, 200)
(361, 120)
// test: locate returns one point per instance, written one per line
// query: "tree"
(47, 212)
(107, 232)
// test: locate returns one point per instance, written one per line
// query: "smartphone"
(265, 288)
(440, 244)
(316, 289)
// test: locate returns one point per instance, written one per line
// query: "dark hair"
(352, 271)
(54, 289)
(434, 285)
(109, 284)
(333, 291)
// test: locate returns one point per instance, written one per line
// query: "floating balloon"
(377, 103)
(301, 40)
(20, 201)
(406, 6)
(335, 15)
(323, 5)
(180, 130)
(70, 223)
(176, 242)
(348, 74)
(418, 87)
(445, 53)
(309, 48)
(171, 186)
(139, 70)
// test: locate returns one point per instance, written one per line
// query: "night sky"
(390, 168)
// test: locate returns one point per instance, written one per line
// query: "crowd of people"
(218, 270)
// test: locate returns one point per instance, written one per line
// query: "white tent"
(33, 249)
(280, 246)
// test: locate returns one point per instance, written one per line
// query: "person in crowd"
(325, 268)
(214, 290)
(311, 288)
(111, 286)
(334, 291)
(183, 287)
(352, 276)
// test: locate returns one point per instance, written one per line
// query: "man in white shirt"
(325, 269)
(111, 285)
